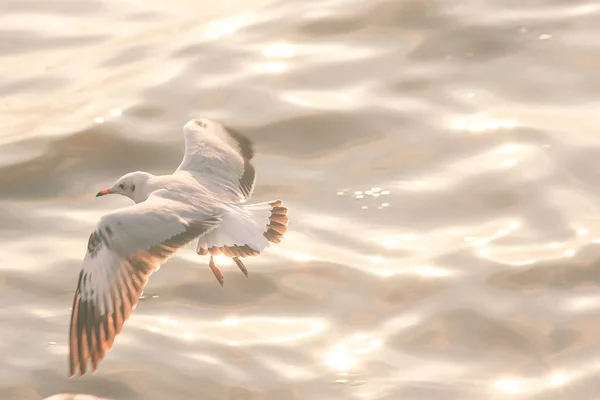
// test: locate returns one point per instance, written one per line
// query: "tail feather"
(243, 232)
(277, 222)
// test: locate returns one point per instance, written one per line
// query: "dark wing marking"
(110, 284)
(219, 158)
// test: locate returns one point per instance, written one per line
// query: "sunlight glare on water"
(438, 159)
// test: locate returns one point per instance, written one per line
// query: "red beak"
(103, 192)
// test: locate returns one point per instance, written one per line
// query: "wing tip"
(245, 145)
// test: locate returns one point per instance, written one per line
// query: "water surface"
(439, 160)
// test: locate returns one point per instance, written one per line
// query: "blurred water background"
(439, 159)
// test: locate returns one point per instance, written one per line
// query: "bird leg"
(241, 265)
(216, 270)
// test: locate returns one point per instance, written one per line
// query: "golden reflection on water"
(543, 252)
(438, 158)
(481, 123)
(302, 257)
(347, 354)
(524, 386)
(222, 260)
(275, 67)
(279, 50)
(221, 29)
(322, 100)
(508, 385)
(581, 303)
(234, 331)
(485, 242)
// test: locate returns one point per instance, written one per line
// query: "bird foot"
(241, 265)
(216, 271)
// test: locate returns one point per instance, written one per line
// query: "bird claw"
(216, 271)
(241, 265)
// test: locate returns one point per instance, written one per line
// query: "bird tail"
(273, 216)
(246, 230)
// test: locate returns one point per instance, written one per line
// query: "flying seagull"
(203, 199)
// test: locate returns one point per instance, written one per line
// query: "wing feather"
(123, 251)
(218, 158)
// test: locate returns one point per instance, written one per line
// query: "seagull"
(203, 199)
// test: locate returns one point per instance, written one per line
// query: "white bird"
(201, 199)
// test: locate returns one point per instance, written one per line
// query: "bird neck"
(151, 183)
(145, 184)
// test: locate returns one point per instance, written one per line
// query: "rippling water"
(439, 159)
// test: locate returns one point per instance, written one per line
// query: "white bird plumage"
(201, 199)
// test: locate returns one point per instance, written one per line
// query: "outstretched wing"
(219, 159)
(123, 251)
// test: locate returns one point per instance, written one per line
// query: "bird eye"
(122, 186)
(133, 188)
